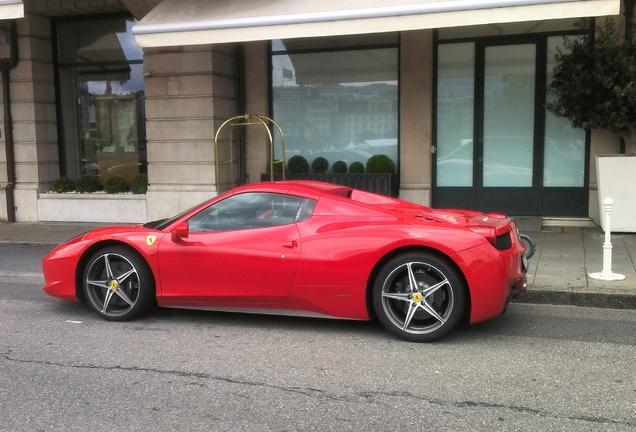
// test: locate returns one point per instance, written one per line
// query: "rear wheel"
(419, 297)
(118, 284)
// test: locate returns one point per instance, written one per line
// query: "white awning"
(194, 22)
(11, 9)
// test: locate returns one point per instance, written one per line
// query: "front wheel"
(118, 284)
(419, 297)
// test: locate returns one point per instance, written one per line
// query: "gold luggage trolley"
(241, 121)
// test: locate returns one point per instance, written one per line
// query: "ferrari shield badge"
(150, 240)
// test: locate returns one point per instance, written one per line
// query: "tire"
(531, 246)
(426, 313)
(118, 284)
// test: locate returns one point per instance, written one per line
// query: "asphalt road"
(536, 368)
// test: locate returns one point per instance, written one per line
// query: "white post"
(607, 274)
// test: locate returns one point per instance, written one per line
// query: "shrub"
(115, 184)
(87, 183)
(63, 184)
(380, 164)
(339, 167)
(320, 165)
(592, 83)
(297, 165)
(139, 184)
(356, 168)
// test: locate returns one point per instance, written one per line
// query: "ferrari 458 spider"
(302, 248)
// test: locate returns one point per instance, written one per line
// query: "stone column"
(32, 91)
(190, 92)
(416, 121)
(257, 102)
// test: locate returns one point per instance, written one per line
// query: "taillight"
(501, 240)
(487, 232)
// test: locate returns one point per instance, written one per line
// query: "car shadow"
(571, 323)
(276, 322)
(529, 321)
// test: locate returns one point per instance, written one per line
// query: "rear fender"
(414, 248)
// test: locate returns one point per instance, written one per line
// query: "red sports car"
(302, 248)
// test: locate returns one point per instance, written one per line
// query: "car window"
(306, 209)
(249, 210)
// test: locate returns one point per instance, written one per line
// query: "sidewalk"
(558, 271)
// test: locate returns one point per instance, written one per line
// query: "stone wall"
(32, 89)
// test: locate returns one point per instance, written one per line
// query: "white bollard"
(607, 274)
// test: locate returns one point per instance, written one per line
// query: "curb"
(570, 298)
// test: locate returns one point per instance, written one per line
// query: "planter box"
(383, 184)
(109, 208)
(617, 180)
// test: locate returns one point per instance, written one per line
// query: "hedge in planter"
(139, 184)
(63, 184)
(297, 165)
(356, 168)
(87, 183)
(320, 165)
(115, 184)
(378, 164)
(339, 167)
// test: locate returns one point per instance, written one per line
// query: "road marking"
(26, 276)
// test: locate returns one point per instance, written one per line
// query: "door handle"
(291, 244)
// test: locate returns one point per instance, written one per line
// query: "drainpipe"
(5, 67)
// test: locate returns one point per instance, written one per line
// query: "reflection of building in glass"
(324, 116)
(101, 76)
(455, 101)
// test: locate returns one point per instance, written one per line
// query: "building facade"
(453, 94)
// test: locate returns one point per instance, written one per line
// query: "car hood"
(111, 231)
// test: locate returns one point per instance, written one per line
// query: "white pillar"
(607, 274)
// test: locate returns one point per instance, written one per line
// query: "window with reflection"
(101, 99)
(564, 157)
(455, 114)
(252, 210)
(509, 98)
(337, 97)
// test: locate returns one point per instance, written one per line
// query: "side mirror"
(181, 231)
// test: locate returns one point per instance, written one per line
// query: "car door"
(242, 250)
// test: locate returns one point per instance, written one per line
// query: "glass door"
(506, 128)
(508, 123)
(497, 149)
